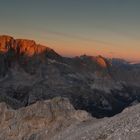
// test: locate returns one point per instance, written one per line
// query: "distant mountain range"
(30, 72)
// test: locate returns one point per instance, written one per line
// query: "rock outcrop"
(22, 46)
(124, 126)
(56, 119)
(23, 53)
(39, 121)
(102, 61)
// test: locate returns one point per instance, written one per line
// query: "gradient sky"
(74, 27)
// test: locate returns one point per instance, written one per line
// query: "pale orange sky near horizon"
(75, 47)
(79, 47)
(82, 49)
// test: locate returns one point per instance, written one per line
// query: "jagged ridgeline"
(30, 72)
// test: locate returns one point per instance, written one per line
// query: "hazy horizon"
(75, 27)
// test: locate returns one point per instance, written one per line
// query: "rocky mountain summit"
(57, 119)
(39, 121)
(30, 72)
(124, 126)
(22, 46)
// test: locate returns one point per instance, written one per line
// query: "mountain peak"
(5, 37)
(24, 53)
(101, 61)
(22, 46)
(4, 41)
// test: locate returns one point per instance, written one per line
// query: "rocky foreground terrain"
(56, 119)
(42, 95)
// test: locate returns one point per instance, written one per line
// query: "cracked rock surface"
(57, 119)
(39, 121)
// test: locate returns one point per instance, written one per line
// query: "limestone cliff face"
(124, 126)
(102, 61)
(24, 53)
(5, 43)
(39, 121)
(56, 119)
(22, 46)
